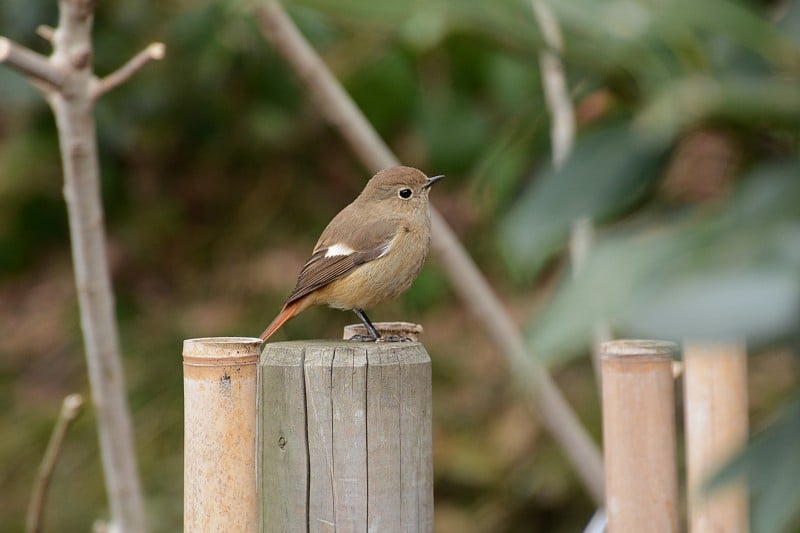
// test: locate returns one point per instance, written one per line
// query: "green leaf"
(607, 172)
(731, 273)
(504, 162)
(618, 267)
(695, 99)
(789, 22)
(453, 128)
(385, 89)
(771, 462)
(758, 303)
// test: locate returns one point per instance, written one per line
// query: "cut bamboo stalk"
(639, 436)
(715, 392)
(409, 330)
(219, 480)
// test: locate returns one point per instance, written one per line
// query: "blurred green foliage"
(218, 175)
(598, 181)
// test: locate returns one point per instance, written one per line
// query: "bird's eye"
(405, 193)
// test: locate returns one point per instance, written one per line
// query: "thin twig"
(598, 523)
(154, 51)
(562, 133)
(580, 242)
(46, 32)
(562, 137)
(333, 102)
(340, 110)
(562, 126)
(70, 409)
(33, 66)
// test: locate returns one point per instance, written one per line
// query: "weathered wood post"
(715, 406)
(219, 481)
(345, 437)
(639, 436)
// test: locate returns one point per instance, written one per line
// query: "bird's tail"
(286, 313)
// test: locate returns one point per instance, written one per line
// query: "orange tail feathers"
(286, 313)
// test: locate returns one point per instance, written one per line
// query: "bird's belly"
(380, 280)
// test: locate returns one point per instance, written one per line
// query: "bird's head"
(401, 189)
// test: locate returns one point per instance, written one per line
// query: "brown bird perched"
(370, 252)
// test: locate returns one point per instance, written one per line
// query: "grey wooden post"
(344, 440)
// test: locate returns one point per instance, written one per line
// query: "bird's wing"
(336, 255)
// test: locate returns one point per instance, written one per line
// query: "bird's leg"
(373, 336)
(373, 333)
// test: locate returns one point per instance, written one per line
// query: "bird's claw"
(387, 338)
(364, 338)
(393, 338)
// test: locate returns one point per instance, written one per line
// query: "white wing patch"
(338, 249)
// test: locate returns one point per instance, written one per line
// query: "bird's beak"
(431, 181)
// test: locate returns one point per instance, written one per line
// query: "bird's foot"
(393, 338)
(382, 338)
(364, 338)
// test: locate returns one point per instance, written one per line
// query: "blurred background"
(219, 174)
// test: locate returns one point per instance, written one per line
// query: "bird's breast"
(384, 278)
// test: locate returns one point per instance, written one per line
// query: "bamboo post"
(715, 392)
(639, 436)
(219, 380)
(345, 438)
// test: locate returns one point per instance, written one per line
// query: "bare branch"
(72, 107)
(36, 67)
(340, 110)
(70, 409)
(69, 87)
(562, 136)
(580, 242)
(562, 125)
(154, 51)
(581, 238)
(333, 102)
(46, 32)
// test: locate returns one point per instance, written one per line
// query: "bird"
(370, 252)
